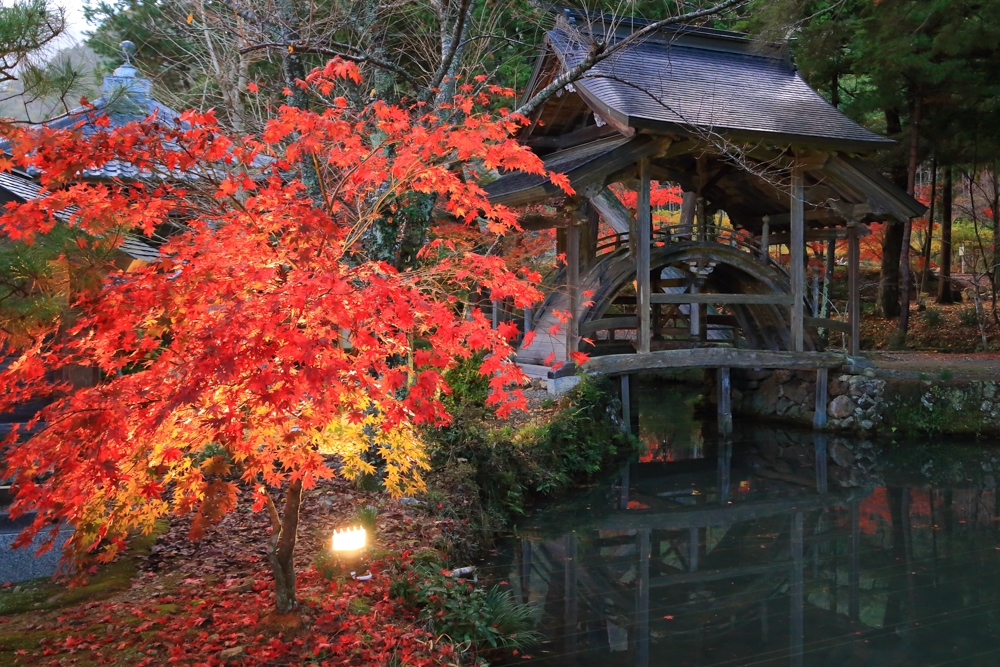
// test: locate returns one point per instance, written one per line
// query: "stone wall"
(861, 401)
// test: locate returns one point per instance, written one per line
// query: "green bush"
(473, 617)
(969, 317)
(932, 317)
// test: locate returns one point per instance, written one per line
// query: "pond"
(768, 547)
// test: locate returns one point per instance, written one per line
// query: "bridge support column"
(854, 289)
(725, 401)
(797, 257)
(626, 405)
(819, 416)
(644, 222)
(573, 287)
(765, 241)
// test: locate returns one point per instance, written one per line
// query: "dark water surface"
(772, 547)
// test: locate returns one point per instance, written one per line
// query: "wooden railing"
(736, 238)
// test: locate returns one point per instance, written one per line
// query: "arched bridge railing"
(736, 238)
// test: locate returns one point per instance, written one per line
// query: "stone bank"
(863, 401)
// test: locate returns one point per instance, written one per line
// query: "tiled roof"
(714, 83)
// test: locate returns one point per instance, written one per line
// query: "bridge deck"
(619, 364)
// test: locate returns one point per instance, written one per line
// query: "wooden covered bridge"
(738, 129)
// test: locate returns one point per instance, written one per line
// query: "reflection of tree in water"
(904, 571)
(668, 424)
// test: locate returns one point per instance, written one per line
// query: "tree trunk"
(904, 251)
(281, 548)
(929, 239)
(888, 288)
(945, 294)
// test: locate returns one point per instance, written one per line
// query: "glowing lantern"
(350, 539)
(349, 546)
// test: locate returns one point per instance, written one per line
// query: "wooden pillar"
(572, 611)
(819, 444)
(645, 225)
(573, 285)
(657, 312)
(642, 600)
(819, 416)
(694, 315)
(765, 241)
(796, 593)
(626, 405)
(527, 319)
(854, 289)
(694, 542)
(797, 258)
(496, 313)
(623, 487)
(854, 574)
(593, 228)
(725, 401)
(525, 570)
(725, 466)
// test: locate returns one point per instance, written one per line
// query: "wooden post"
(797, 258)
(571, 618)
(854, 574)
(645, 224)
(527, 319)
(854, 289)
(725, 401)
(626, 405)
(593, 227)
(573, 280)
(496, 313)
(819, 417)
(694, 540)
(725, 464)
(694, 315)
(796, 592)
(765, 241)
(819, 444)
(642, 600)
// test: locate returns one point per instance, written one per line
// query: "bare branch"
(602, 50)
(358, 57)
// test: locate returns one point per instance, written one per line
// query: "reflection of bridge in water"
(693, 556)
(770, 547)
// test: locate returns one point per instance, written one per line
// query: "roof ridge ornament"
(125, 77)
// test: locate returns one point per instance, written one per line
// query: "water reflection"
(771, 547)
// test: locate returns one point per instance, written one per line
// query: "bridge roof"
(698, 81)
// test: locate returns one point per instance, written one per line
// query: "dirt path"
(972, 366)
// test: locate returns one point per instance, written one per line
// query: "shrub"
(969, 317)
(932, 317)
(481, 618)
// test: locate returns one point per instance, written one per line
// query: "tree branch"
(600, 51)
(448, 57)
(325, 51)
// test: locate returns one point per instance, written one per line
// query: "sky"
(74, 18)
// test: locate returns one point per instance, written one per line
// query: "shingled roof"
(698, 80)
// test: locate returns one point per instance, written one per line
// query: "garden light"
(348, 545)
(349, 539)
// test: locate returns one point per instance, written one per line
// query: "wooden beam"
(611, 209)
(605, 323)
(797, 249)
(854, 290)
(711, 357)
(645, 224)
(575, 138)
(742, 299)
(814, 215)
(824, 234)
(826, 323)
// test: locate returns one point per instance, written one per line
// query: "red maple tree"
(263, 340)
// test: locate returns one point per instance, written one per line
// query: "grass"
(39, 595)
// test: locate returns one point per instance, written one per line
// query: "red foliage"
(233, 339)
